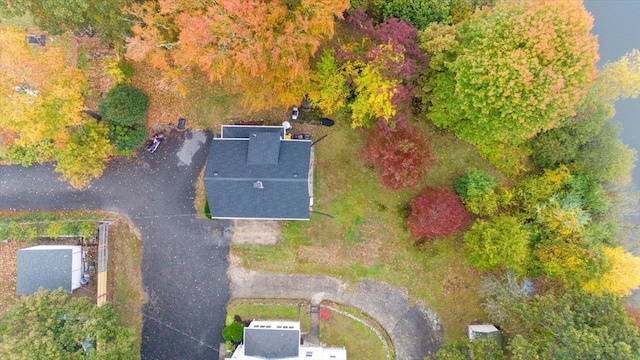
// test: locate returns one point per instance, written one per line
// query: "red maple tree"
(436, 213)
(401, 155)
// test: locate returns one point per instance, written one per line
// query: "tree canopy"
(573, 325)
(41, 94)
(257, 47)
(515, 70)
(436, 213)
(107, 17)
(53, 325)
(401, 155)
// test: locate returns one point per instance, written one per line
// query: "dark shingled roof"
(264, 148)
(235, 165)
(47, 268)
(244, 131)
(271, 343)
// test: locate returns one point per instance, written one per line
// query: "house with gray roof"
(280, 340)
(259, 172)
(49, 267)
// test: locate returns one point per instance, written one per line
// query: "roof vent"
(295, 175)
(258, 185)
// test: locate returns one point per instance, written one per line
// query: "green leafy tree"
(570, 261)
(588, 138)
(108, 17)
(571, 325)
(476, 188)
(485, 349)
(331, 93)
(606, 158)
(420, 13)
(518, 69)
(53, 325)
(85, 154)
(562, 215)
(498, 244)
(474, 183)
(124, 105)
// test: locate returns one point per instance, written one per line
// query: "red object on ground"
(324, 313)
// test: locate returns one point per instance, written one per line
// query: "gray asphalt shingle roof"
(50, 269)
(235, 165)
(271, 343)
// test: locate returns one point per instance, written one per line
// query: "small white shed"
(484, 331)
(49, 267)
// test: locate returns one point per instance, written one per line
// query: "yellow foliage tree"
(40, 95)
(622, 277)
(85, 154)
(373, 95)
(620, 79)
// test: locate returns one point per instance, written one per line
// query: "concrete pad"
(192, 143)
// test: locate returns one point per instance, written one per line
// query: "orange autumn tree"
(259, 48)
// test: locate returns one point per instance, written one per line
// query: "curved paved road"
(184, 263)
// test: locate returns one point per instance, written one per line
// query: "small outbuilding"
(49, 267)
(485, 331)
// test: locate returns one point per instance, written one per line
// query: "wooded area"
(516, 81)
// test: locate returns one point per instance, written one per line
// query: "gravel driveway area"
(185, 259)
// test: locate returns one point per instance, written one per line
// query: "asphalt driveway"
(184, 263)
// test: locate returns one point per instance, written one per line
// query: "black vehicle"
(155, 142)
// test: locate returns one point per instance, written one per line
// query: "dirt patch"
(256, 232)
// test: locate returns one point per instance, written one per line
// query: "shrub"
(606, 158)
(474, 183)
(125, 139)
(233, 332)
(436, 213)
(124, 105)
(401, 155)
(26, 156)
(476, 188)
(500, 243)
